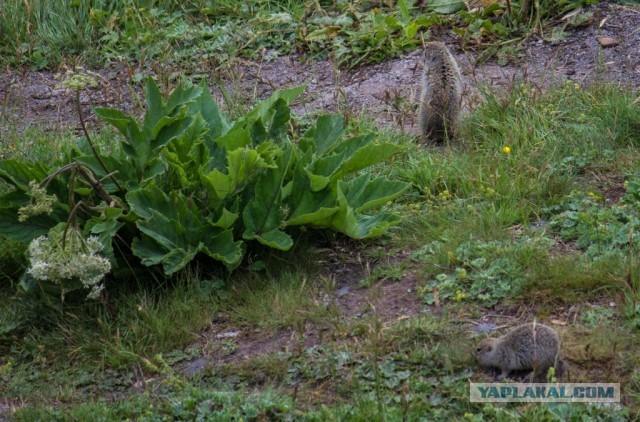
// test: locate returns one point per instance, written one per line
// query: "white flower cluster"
(41, 203)
(77, 260)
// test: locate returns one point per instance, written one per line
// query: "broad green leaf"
(269, 151)
(169, 243)
(175, 232)
(244, 164)
(163, 122)
(445, 7)
(189, 145)
(14, 199)
(339, 160)
(236, 138)
(165, 131)
(152, 252)
(369, 155)
(28, 230)
(258, 130)
(127, 125)
(363, 193)
(287, 95)
(326, 131)
(278, 122)
(359, 226)
(321, 170)
(105, 227)
(120, 167)
(47, 293)
(155, 106)
(227, 219)
(217, 183)
(146, 199)
(187, 154)
(349, 146)
(264, 213)
(185, 93)
(291, 94)
(135, 144)
(262, 110)
(313, 207)
(305, 205)
(224, 248)
(19, 174)
(276, 239)
(157, 109)
(217, 122)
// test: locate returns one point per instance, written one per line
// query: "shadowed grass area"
(529, 214)
(483, 211)
(407, 370)
(273, 304)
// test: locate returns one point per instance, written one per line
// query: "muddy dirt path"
(387, 91)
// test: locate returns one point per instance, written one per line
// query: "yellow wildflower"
(506, 150)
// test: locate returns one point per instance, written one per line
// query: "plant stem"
(93, 147)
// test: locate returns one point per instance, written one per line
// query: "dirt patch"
(5, 410)
(36, 98)
(388, 301)
(611, 187)
(386, 91)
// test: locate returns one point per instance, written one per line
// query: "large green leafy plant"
(187, 181)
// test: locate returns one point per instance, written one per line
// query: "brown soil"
(386, 91)
(389, 302)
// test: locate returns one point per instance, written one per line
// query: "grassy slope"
(483, 231)
(489, 233)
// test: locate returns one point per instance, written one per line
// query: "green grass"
(275, 304)
(201, 35)
(486, 229)
(414, 369)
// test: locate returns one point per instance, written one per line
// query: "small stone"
(195, 366)
(570, 72)
(484, 327)
(228, 334)
(607, 42)
(343, 291)
(39, 91)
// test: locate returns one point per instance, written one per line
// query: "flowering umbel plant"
(65, 256)
(41, 203)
